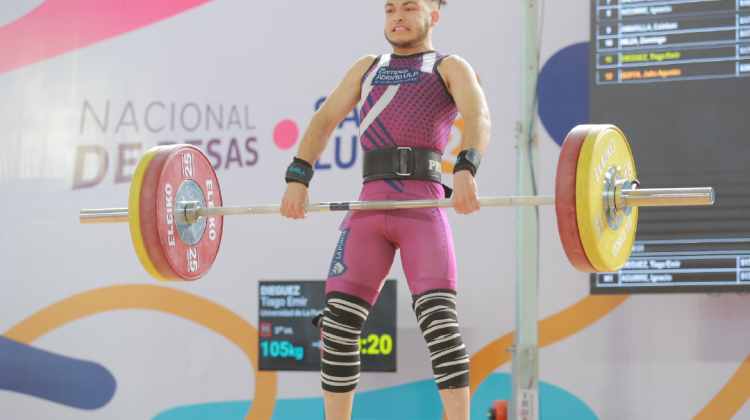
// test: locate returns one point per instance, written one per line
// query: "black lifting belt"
(402, 163)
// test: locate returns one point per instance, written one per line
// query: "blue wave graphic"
(72, 382)
(564, 91)
(414, 401)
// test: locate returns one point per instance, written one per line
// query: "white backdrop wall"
(259, 63)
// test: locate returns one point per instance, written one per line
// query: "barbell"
(175, 208)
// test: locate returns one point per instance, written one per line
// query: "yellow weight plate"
(607, 249)
(134, 214)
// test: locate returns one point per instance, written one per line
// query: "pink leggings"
(369, 240)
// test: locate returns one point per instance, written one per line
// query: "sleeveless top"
(405, 103)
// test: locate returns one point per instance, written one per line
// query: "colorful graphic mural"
(90, 86)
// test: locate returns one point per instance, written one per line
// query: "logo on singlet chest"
(389, 76)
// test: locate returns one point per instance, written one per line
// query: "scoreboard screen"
(673, 75)
(287, 339)
(645, 41)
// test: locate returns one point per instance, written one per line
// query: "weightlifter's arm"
(463, 85)
(338, 105)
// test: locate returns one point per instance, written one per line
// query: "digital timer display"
(376, 344)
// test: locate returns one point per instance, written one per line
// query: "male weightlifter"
(410, 99)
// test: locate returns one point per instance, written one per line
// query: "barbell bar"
(192, 211)
(175, 208)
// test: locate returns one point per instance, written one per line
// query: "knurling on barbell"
(176, 215)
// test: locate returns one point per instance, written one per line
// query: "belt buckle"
(407, 161)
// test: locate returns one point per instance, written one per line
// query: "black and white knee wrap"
(438, 320)
(344, 317)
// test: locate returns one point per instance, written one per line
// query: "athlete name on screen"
(290, 296)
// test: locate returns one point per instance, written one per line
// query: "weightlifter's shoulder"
(455, 66)
(366, 61)
(358, 70)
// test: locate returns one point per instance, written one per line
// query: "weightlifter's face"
(409, 22)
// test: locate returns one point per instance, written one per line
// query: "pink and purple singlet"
(405, 103)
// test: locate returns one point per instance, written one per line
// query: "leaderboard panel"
(681, 266)
(641, 41)
(688, 128)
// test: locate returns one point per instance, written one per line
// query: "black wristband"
(468, 160)
(299, 171)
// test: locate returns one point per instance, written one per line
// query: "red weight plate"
(565, 199)
(172, 257)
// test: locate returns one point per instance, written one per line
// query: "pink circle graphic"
(285, 134)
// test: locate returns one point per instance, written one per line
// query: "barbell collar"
(188, 211)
